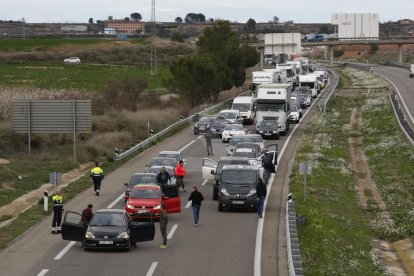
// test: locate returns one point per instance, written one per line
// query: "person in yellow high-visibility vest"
(57, 200)
(97, 175)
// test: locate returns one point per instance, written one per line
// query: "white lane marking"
(186, 146)
(152, 269)
(43, 272)
(259, 232)
(199, 137)
(64, 250)
(172, 231)
(115, 201)
(204, 182)
(188, 204)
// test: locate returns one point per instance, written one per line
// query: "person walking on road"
(163, 177)
(87, 214)
(208, 137)
(261, 192)
(163, 226)
(196, 197)
(181, 173)
(57, 200)
(97, 175)
(267, 166)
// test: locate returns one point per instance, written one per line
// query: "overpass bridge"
(330, 44)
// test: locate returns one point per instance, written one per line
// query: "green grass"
(82, 77)
(337, 238)
(9, 45)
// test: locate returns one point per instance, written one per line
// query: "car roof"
(241, 144)
(229, 110)
(159, 167)
(243, 150)
(169, 152)
(146, 187)
(144, 174)
(229, 158)
(111, 211)
(239, 167)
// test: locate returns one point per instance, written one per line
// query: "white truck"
(311, 81)
(290, 72)
(411, 70)
(298, 66)
(260, 77)
(272, 103)
(278, 72)
(244, 104)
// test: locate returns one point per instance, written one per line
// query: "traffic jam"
(249, 130)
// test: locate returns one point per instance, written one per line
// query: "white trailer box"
(311, 81)
(259, 77)
(282, 43)
(278, 72)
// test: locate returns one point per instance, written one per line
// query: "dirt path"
(397, 257)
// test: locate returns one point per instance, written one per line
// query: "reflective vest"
(96, 171)
(57, 200)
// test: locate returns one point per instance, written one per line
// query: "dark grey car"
(218, 126)
(268, 129)
(201, 126)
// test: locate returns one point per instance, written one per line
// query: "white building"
(282, 43)
(355, 25)
(110, 31)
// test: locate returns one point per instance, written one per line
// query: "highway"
(225, 243)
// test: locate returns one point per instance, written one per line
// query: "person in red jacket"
(180, 173)
(87, 214)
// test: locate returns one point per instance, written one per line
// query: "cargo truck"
(310, 81)
(272, 103)
(244, 104)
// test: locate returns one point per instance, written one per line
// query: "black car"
(108, 229)
(203, 124)
(139, 179)
(218, 126)
(268, 129)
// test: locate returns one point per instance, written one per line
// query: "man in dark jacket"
(261, 193)
(196, 197)
(87, 214)
(163, 177)
(163, 226)
(267, 166)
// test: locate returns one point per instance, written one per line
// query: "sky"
(300, 11)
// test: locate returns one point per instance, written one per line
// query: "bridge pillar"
(330, 50)
(400, 53)
(261, 53)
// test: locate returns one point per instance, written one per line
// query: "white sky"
(300, 11)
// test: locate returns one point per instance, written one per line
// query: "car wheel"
(220, 207)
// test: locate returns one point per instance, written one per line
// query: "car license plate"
(201, 128)
(106, 242)
(142, 211)
(268, 134)
(238, 202)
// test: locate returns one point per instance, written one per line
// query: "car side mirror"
(212, 172)
(126, 184)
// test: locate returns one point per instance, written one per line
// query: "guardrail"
(293, 247)
(397, 64)
(147, 142)
(332, 84)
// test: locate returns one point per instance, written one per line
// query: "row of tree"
(219, 65)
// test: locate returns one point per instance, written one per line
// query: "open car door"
(172, 204)
(208, 166)
(259, 165)
(273, 151)
(141, 232)
(73, 229)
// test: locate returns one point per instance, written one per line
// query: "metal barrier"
(293, 248)
(329, 89)
(147, 142)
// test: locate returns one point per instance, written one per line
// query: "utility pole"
(153, 42)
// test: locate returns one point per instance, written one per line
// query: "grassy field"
(337, 237)
(9, 45)
(83, 77)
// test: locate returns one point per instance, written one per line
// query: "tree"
(195, 18)
(178, 20)
(177, 36)
(196, 78)
(90, 20)
(126, 18)
(110, 18)
(338, 52)
(251, 24)
(275, 19)
(136, 16)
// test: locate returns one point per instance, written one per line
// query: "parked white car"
(72, 60)
(231, 115)
(231, 130)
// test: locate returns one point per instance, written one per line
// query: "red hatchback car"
(144, 198)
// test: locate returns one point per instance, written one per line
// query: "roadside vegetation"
(337, 238)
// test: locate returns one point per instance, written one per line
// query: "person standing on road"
(87, 214)
(163, 177)
(97, 175)
(181, 173)
(209, 136)
(261, 192)
(267, 164)
(57, 200)
(196, 197)
(163, 226)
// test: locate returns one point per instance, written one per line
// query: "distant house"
(74, 28)
(110, 31)
(130, 27)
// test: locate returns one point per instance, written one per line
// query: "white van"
(233, 116)
(244, 104)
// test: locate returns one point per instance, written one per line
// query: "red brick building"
(131, 27)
